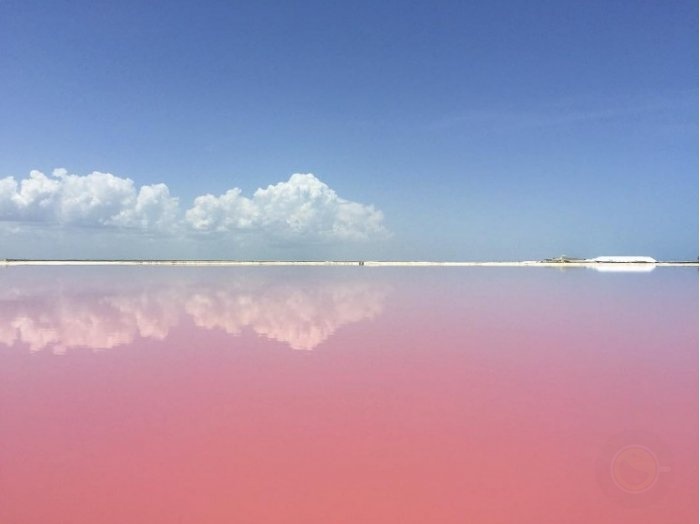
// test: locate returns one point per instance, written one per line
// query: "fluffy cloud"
(301, 208)
(97, 199)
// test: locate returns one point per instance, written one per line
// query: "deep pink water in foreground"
(348, 395)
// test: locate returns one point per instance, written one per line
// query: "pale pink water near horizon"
(348, 394)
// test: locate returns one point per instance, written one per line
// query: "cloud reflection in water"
(62, 310)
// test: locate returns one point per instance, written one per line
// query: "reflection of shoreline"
(625, 268)
(65, 313)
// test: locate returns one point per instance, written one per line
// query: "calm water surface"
(348, 395)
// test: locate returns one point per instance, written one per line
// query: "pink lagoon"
(348, 395)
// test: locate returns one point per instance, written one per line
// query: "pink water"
(348, 395)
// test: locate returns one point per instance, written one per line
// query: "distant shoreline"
(364, 263)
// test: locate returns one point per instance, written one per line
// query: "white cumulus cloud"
(302, 208)
(97, 199)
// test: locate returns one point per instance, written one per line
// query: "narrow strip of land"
(366, 263)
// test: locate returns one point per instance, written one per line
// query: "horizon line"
(356, 262)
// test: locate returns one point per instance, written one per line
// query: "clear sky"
(447, 130)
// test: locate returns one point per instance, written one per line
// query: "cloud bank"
(97, 199)
(301, 208)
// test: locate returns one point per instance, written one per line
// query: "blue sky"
(433, 130)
